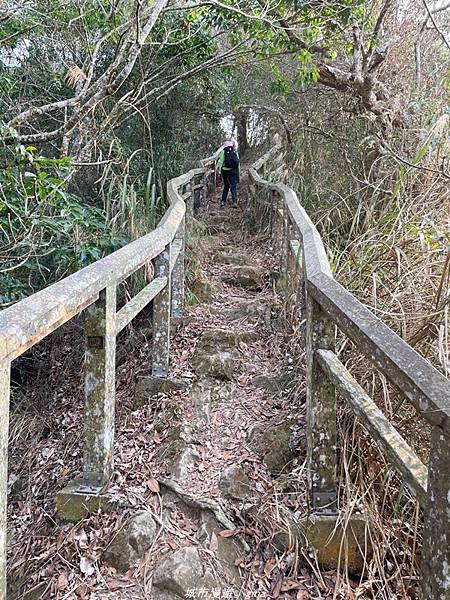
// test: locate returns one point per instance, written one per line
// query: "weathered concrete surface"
(229, 258)
(202, 289)
(278, 445)
(148, 386)
(336, 540)
(251, 309)
(177, 277)
(374, 421)
(423, 385)
(245, 276)
(217, 354)
(74, 505)
(99, 384)
(180, 454)
(182, 571)
(320, 411)
(221, 365)
(30, 320)
(337, 543)
(132, 308)
(132, 542)
(273, 384)
(234, 483)
(223, 338)
(201, 397)
(161, 318)
(184, 461)
(435, 582)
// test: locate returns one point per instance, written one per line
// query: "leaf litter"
(63, 561)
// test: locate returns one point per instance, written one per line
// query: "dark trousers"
(230, 181)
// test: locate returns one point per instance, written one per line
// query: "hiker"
(228, 167)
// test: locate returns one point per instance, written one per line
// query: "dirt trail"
(232, 431)
(234, 344)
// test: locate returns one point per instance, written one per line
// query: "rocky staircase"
(220, 451)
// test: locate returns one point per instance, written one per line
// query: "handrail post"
(161, 318)
(321, 412)
(100, 376)
(189, 206)
(196, 193)
(272, 214)
(280, 213)
(436, 535)
(5, 376)
(301, 293)
(285, 242)
(177, 276)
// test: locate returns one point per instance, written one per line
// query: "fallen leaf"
(82, 591)
(47, 452)
(275, 587)
(153, 485)
(117, 584)
(62, 581)
(226, 533)
(303, 595)
(12, 480)
(82, 540)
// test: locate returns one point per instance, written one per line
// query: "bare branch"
(102, 88)
(274, 111)
(433, 20)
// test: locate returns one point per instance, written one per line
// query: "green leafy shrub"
(45, 231)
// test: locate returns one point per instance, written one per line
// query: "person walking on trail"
(228, 165)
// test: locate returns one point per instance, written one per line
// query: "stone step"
(248, 277)
(217, 353)
(230, 258)
(245, 308)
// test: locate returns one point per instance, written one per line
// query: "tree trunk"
(241, 121)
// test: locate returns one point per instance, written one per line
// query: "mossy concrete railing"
(94, 290)
(327, 305)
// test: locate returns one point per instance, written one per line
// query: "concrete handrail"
(326, 304)
(94, 290)
(31, 319)
(417, 378)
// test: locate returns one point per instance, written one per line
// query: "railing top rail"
(174, 184)
(33, 318)
(426, 388)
